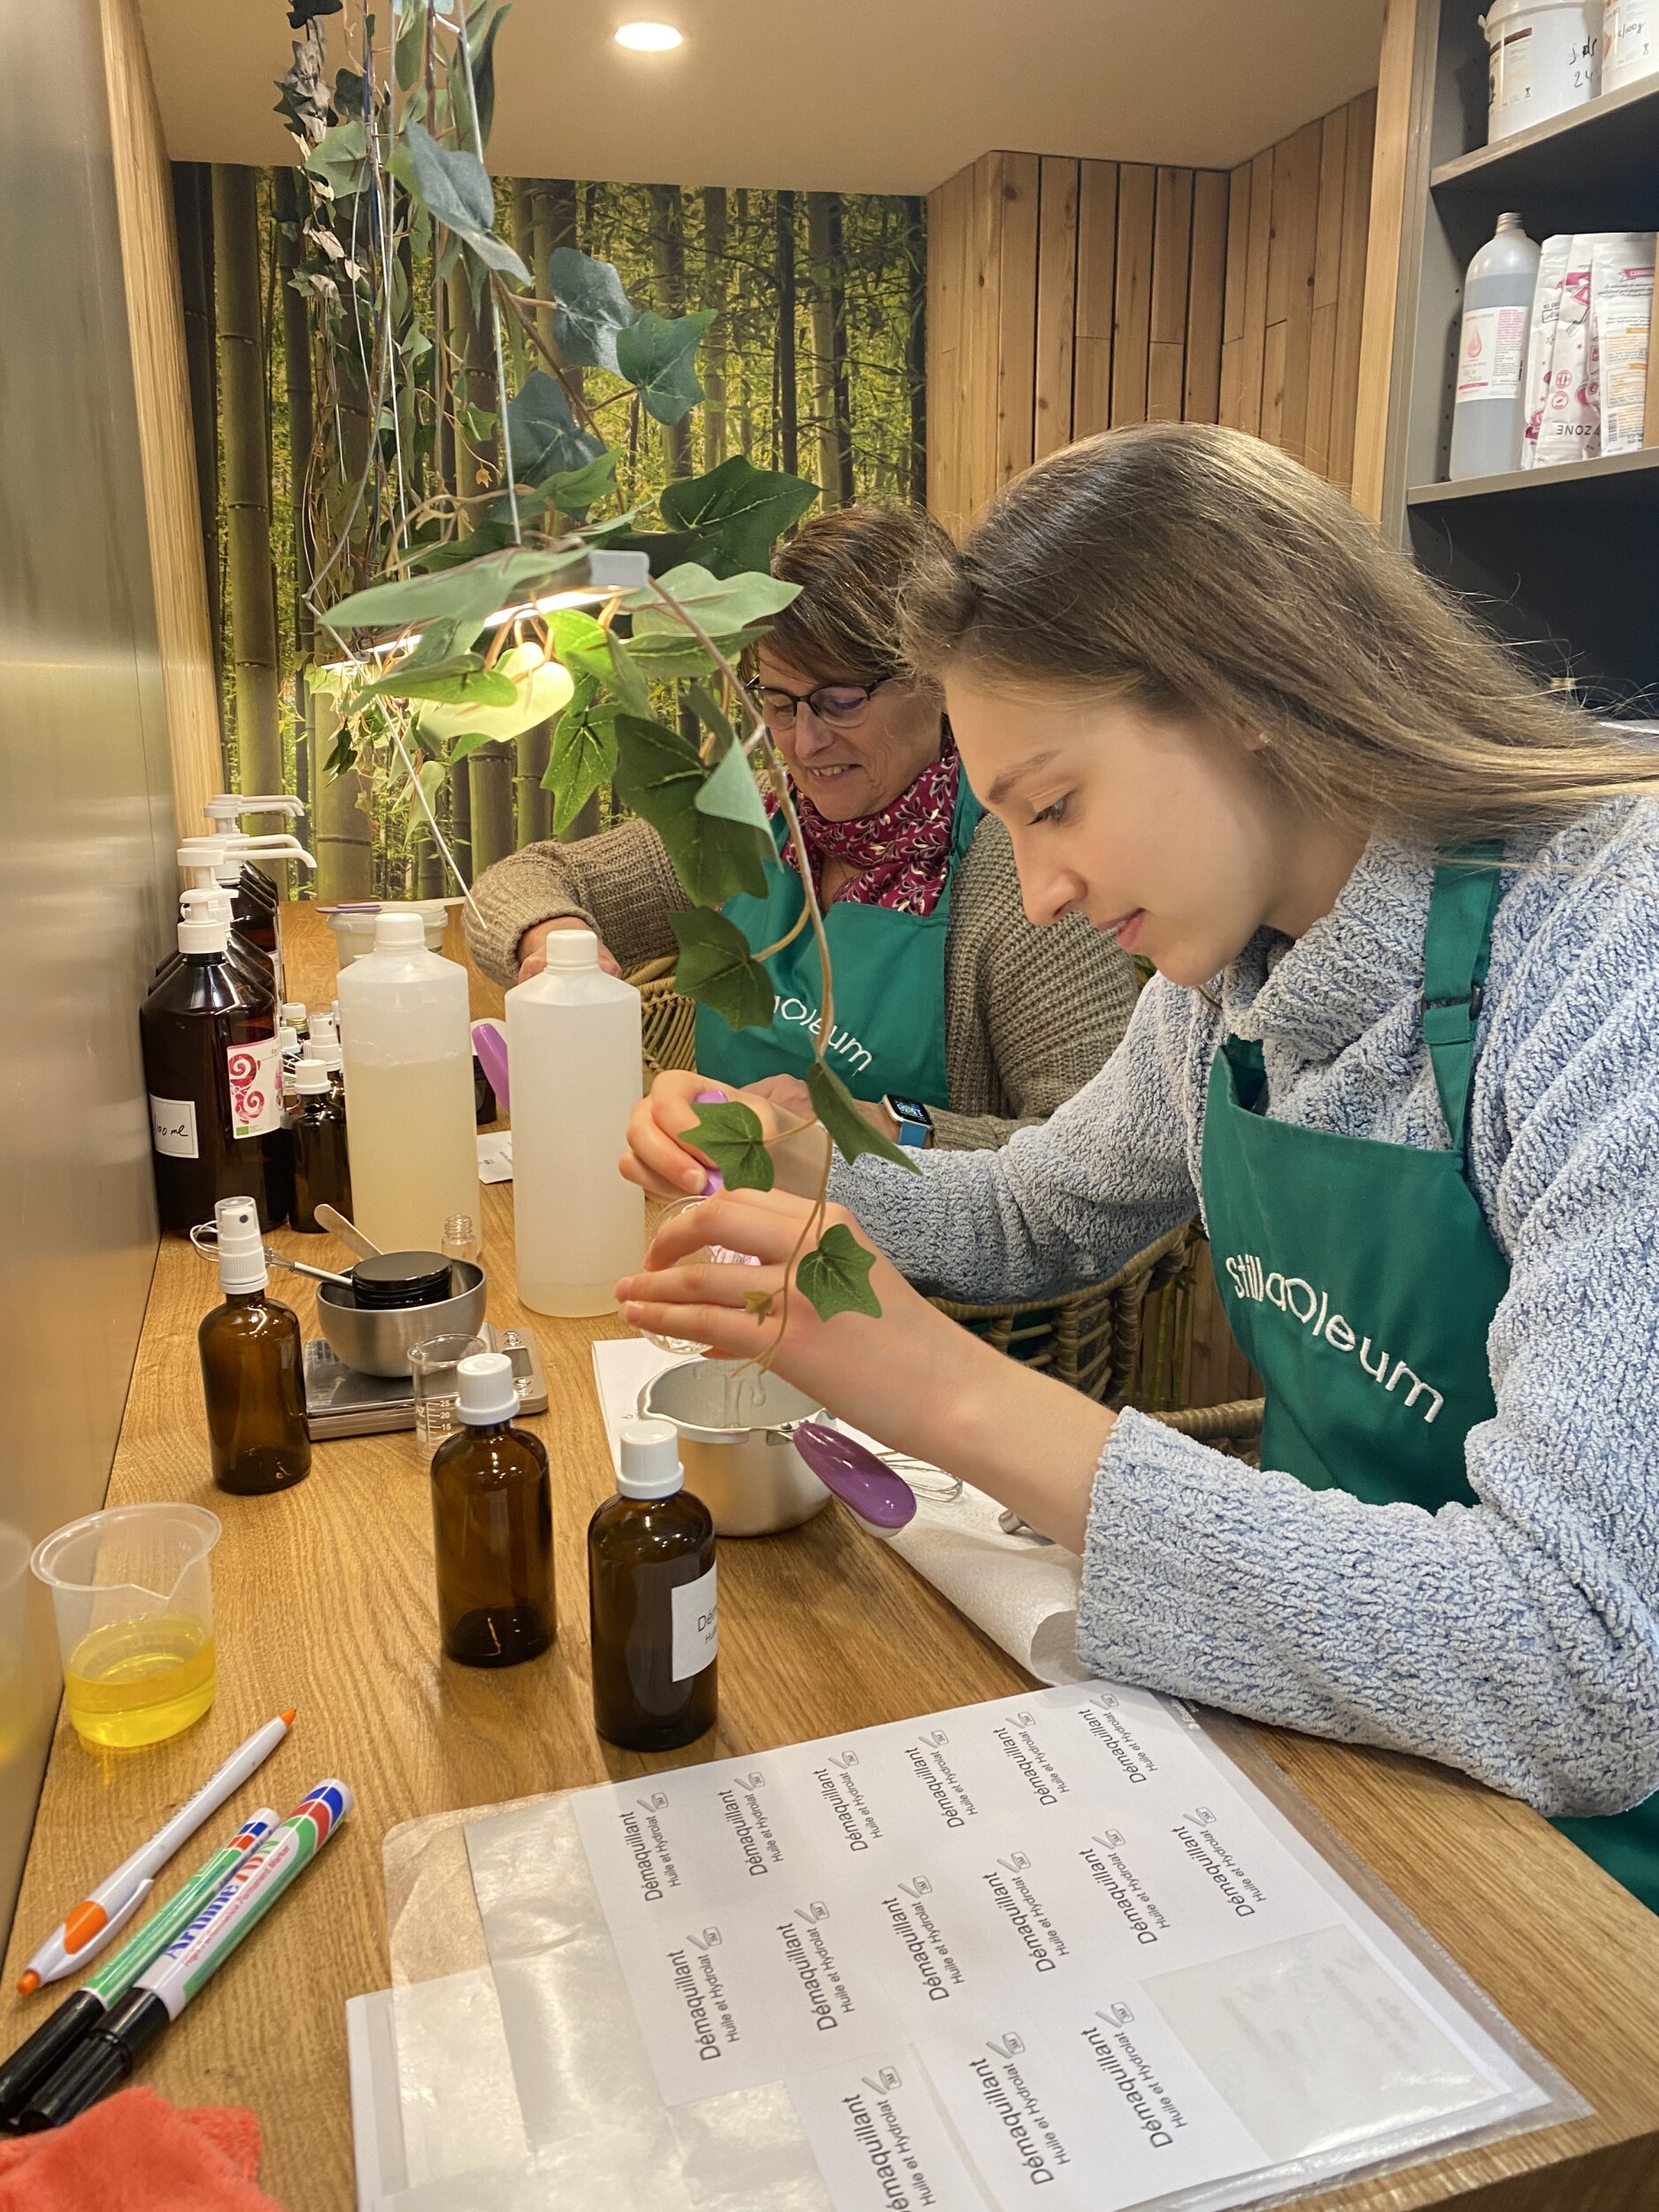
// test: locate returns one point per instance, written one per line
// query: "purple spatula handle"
(490, 1044)
(713, 1181)
(857, 1478)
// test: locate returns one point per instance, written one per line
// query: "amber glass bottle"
(653, 1615)
(251, 1368)
(322, 1171)
(492, 1526)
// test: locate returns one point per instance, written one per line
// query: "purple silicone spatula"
(489, 1041)
(856, 1475)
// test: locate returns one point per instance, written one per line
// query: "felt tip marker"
(51, 2043)
(106, 2057)
(85, 1929)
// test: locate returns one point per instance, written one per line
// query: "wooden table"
(325, 1601)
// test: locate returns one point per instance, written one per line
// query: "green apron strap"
(1457, 946)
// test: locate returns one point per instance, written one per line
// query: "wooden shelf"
(1621, 481)
(1609, 146)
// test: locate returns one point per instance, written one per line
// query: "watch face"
(909, 1110)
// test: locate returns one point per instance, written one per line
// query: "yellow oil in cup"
(134, 1601)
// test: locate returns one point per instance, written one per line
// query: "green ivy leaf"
(590, 307)
(474, 742)
(837, 1109)
(626, 678)
(739, 511)
(717, 968)
(544, 432)
(574, 490)
(835, 1277)
(657, 355)
(581, 643)
(666, 659)
(340, 158)
(660, 775)
(483, 81)
(536, 690)
(720, 604)
(709, 711)
(466, 593)
(730, 1135)
(731, 791)
(463, 679)
(455, 188)
(489, 537)
(583, 756)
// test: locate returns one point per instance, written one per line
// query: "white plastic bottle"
(1630, 42)
(574, 1058)
(1489, 410)
(411, 1124)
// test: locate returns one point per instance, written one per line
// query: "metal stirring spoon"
(205, 1236)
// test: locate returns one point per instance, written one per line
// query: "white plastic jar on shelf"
(1545, 58)
(1630, 42)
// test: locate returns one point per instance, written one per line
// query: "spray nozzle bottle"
(251, 1367)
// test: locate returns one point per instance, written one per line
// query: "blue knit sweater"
(1515, 1637)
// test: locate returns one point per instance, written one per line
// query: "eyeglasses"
(838, 706)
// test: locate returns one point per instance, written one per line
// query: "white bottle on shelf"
(1489, 406)
(407, 1044)
(1630, 42)
(573, 1059)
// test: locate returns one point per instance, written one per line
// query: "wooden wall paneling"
(1057, 304)
(1257, 251)
(961, 337)
(1016, 333)
(1327, 270)
(1171, 267)
(981, 324)
(1096, 296)
(1131, 318)
(1201, 396)
(1406, 38)
(155, 312)
(1350, 306)
(1233, 307)
(942, 340)
(1298, 247)
(1272, 423)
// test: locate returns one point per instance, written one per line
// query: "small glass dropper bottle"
(492, 1524)
(652, 1609)
(250, 1368)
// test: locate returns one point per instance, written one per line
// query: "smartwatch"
(916, 1124)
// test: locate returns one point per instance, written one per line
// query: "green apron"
(1360, 1279)
(889, 970)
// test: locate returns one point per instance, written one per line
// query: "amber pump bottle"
(251, 1368)
(322, 1171)
(653, 1613)
(492, 1526)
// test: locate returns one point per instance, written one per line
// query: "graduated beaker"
(134, 1599)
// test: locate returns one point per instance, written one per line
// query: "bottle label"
(696, 1626)
(1492, 354)
(256, 1087)
(172, 1127)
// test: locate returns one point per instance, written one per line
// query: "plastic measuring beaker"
(16, 1704)
(134, 1598)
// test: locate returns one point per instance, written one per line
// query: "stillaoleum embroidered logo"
(1293, 1294)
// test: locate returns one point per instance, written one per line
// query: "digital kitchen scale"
(340, 1400)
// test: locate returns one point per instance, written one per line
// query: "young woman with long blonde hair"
(1403, 1051)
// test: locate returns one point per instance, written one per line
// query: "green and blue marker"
(103, 2058)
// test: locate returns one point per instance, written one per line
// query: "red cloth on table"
(136, 2153)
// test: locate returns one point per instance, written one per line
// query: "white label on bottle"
(1510, 71)
(256, 1087)
(172, 1127)
(1493, 354)
(696, 1626)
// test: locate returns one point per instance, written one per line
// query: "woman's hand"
(664, 1167)
(912, 1378)
(532, 947)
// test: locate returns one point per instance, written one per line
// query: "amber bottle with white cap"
(492, 1524)
(251, 1368)
(322, 1169)
(653, 1610)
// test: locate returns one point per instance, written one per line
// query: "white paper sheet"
(1022, 1593)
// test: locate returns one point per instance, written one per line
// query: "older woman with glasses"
(955, 1020)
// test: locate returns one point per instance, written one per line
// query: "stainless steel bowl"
(380, 1343)
(749, 1476)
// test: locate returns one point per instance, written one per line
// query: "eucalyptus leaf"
(731, 1136)
(720, 604)
(739, 511)
(583, 756)
(590, 307)
(835, 1276)
(538, 688)
(658, 354)
(718, 969)
(659, 774)
(545, 434)
(851, 1134)
(455, 186)
(731, 792)
(496, 579)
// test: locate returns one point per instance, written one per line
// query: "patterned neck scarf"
(901, 854)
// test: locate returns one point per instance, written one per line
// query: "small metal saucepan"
(734, 1445)
(380, 1342)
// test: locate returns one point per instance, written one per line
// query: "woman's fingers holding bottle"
(658, 1157)
(532, 947)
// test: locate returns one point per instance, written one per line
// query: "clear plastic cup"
(134, 1598)
(437, 1386)
(17, 1704)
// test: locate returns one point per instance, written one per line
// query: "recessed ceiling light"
(648, 38)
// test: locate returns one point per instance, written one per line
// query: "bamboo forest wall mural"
(344, 317)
